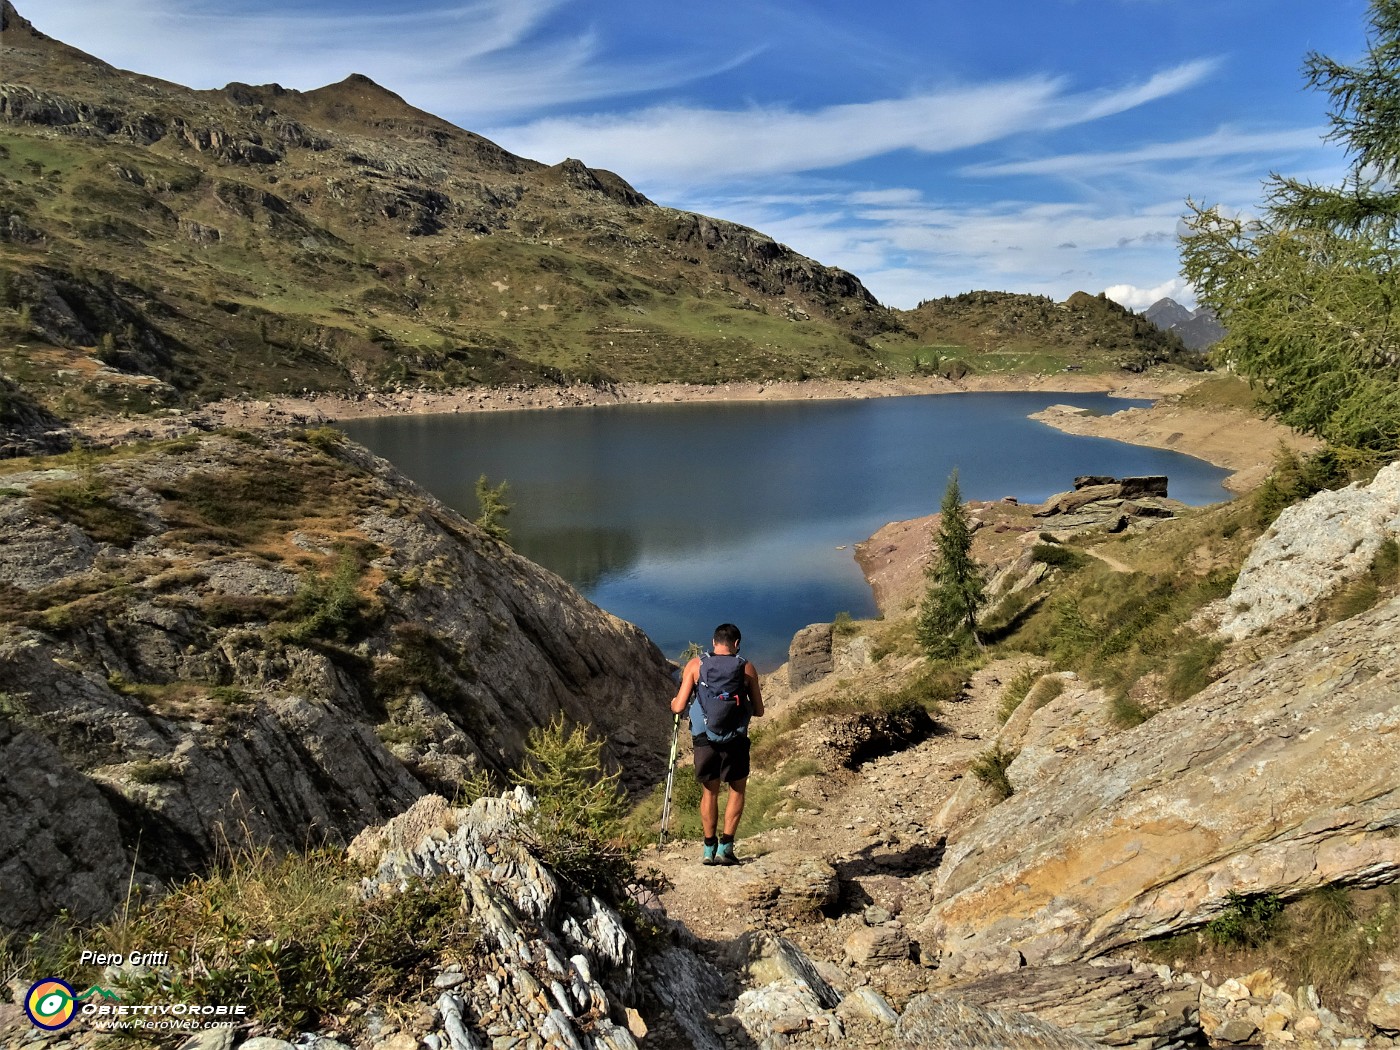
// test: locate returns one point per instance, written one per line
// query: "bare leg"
(734, 808)
(709, 807)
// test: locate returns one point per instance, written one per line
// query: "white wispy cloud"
(484, 60)
(666, 142)
(1224, 142)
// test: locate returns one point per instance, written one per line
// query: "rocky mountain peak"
(1198, 329)
(1166, 312)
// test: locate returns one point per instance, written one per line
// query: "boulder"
(785, 881)
(873, 945)
(1278, 778)
(1149, 485)
(809, 655)
(1311, 549)
(1383, 1010)
(1069, 502)
(763, 958)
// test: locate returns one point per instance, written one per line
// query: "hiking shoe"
(725, 854)
(709, 856)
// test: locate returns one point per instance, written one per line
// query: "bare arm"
(689, 677)
(755, 693)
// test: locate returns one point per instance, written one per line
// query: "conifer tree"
(1310, 289)
(948, 617)
(493, 506)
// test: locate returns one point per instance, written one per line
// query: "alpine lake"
(678, 517)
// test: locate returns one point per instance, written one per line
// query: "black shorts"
(727, 761)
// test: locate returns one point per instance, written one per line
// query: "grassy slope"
(161, 246)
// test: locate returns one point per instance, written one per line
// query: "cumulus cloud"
(1135, 298)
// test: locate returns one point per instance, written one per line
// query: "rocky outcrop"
(26, 427)
(1276, 779)
(1098, 501)
(557, 967)
(1113, 1004)
(1313, 548)
(809, 655)
(269, 640)
(937, 1022)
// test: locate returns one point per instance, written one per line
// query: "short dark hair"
(726, 634)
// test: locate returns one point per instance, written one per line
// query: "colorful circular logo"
(50, 1004)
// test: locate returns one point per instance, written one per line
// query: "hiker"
(724, 688)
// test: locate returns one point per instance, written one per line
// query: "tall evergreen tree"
(1310, 289)
(948, 616)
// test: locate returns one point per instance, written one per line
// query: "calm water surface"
(678, 517)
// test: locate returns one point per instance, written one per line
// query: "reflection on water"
(679, 517)
(583, 556)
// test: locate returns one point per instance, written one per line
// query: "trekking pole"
(670, 780)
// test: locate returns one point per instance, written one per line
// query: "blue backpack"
(723, 694)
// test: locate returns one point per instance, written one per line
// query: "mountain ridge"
(162, 246)
(341, 239)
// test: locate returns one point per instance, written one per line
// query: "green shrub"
(1361, 594)
(327, 439)
(1126, 712)
(491, 502)
(1044, 691)
(990, 768)
(842, 625)
(328, 606)
(1335, 936)
(1058, 556)
(1247, 920)
(1294, 480)
(153, 771)
(1015, 690)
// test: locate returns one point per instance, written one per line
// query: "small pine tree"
(492, 502)
(579, 807)
(948, 617)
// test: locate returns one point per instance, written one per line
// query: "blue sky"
(929, 147)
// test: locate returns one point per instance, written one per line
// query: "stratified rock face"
(269, 640)
(1310, 550)
(1279, 778)
(560, 964)
(1115, 1004)
(809, 655)
(946, 1022)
